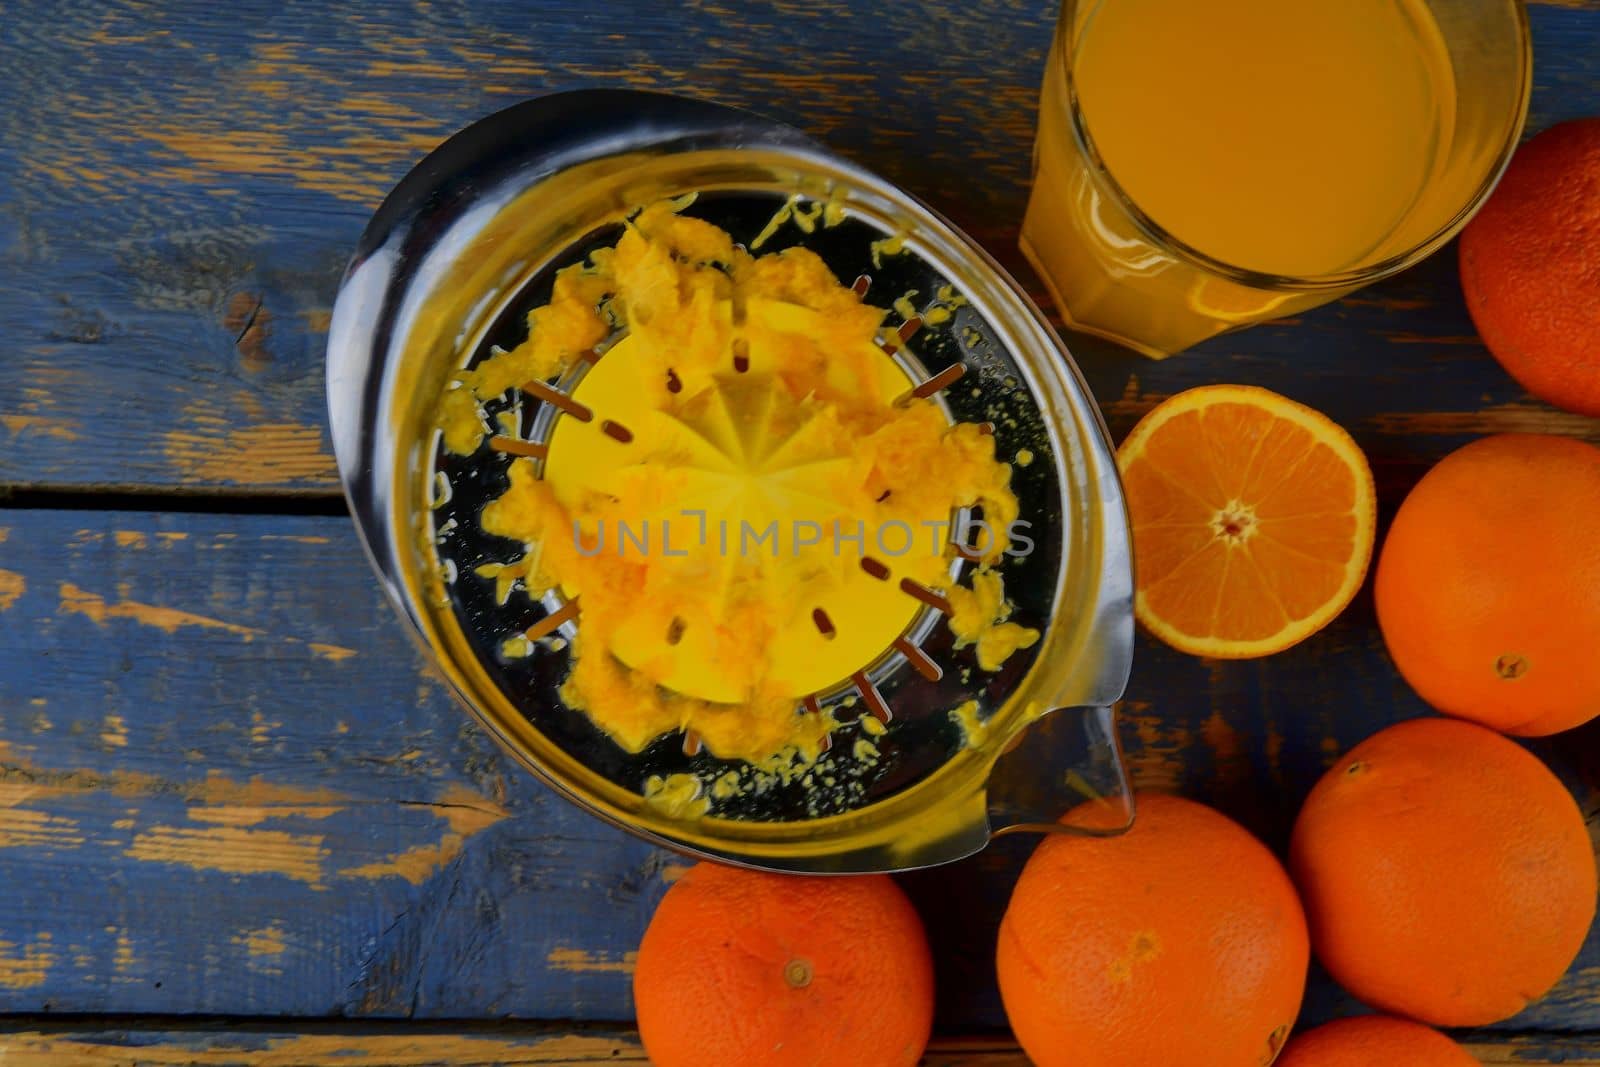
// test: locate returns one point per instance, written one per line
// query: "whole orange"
(1530, 267)
(1447, 874)
(752, 969)
(1180, 942)
(1374, 1041)
(1488, 587)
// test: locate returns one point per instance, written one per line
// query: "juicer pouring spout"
(1063, 774)
(1061, 770)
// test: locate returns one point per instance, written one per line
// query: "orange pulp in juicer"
(738, 488)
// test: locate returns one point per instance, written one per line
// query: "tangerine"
(1488, 587)
(1447, 873)
(1530, 267)
(1372, 1040)
(768, 970)
(1179, 942)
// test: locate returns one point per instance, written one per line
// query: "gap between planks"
(171, 500)
(171, 1042)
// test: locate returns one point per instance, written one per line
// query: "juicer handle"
(1067, 760)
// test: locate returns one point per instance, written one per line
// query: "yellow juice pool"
(1294, 139)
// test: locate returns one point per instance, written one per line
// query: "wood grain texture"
(258, 1046)
(228, 785)
(180, 186)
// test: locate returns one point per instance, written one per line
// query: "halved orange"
(1253, 520)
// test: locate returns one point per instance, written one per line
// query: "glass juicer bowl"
(448, 268)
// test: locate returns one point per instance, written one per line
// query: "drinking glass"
(1119, 269)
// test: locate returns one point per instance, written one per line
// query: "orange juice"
(1287, 139)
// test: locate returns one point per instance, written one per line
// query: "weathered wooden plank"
(267, 1047)
(180, 185)
(229, 785)
(343, 1046)
(168, 247)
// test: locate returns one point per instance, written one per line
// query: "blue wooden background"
(228, 784)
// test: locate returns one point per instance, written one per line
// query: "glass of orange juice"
(1203, 166)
